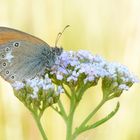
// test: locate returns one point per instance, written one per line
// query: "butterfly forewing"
(22, 53)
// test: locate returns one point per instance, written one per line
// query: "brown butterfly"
(23, 56)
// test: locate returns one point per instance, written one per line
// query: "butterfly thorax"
(49, 55)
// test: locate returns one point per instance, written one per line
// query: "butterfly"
(23, 56)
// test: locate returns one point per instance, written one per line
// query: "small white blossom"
(59, 76)
(123, 87)
(59, 90)
(48, 87)
(34, 96)
(71, 78)
(18, 85)
(82, 54)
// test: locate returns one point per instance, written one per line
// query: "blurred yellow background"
(110, 28)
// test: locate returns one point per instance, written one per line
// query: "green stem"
(98, 123)
(56, 110)
(109, 116)
(62, 110)
(39, 125)
(92, 113)
(84, 123)
(69, 127)
(69, 121)
(66, 91)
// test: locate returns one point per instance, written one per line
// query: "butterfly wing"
(20, 54)
(8, 34)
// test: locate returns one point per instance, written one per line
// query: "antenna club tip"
(60, 34)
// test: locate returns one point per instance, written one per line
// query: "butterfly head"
(57, 51)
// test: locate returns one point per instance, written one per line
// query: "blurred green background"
(110, 28)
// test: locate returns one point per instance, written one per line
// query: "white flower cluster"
(79, 67)
(71, 65)
(74, 67)
(120, 75)
(36, 84)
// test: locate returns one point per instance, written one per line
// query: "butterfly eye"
(16, 44)
(7, 72)
(4, 64)
(7, 49)
(57, 51)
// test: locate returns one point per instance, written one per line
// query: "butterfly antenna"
(60, 34)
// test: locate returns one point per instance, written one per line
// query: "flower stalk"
(69, 121)
(39, 125)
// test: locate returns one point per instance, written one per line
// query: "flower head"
(38, 92)
(82, 66)
(117, 79)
